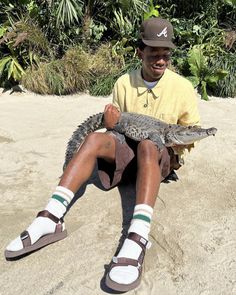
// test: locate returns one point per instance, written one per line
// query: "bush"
(76, 71)
(226, 87)
(76, 63)
(64, 76)
(104, 62)
(106, 69)
(103, 83)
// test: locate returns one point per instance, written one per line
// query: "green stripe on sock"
(142, 217)
(61, 200)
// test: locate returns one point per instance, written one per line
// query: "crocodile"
(139, 127)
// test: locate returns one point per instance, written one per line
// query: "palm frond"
(68, 12)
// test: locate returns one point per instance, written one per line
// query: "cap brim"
(154, 43)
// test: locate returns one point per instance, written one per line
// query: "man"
(152, 90)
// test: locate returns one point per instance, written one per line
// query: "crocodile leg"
(157, 139)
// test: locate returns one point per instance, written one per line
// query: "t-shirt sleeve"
(118, 95)
(115, 97)
(189, 116)
(190, 113)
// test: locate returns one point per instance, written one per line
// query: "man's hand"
(111, 116)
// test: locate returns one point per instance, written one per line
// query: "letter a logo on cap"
(163, 32)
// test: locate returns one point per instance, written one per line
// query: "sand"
(193, 231)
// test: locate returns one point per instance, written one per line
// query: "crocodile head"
(187, 135)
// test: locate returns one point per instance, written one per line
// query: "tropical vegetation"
(66, 46)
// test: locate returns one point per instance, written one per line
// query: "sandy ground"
(194, 226)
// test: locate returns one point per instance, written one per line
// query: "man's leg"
(80, 168)
(147, 187)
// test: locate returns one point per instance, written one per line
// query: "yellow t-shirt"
(172, 100)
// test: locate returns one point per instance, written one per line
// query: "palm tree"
(83, 13)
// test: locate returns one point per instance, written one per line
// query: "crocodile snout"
(211, 131)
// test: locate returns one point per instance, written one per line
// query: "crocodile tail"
(91, 124)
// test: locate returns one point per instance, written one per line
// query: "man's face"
(154, 62)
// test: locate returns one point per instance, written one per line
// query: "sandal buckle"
(149, 244)
(143, 241)
(115, 259)
(24, 235)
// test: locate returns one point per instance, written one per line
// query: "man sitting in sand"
(152, 90)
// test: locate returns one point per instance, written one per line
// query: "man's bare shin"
(148, 175)
(80, 168)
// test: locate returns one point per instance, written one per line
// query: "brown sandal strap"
(123, 261)
(142, 242)
(58, 228)
(49, 215)
(25, 238)
(138, 239)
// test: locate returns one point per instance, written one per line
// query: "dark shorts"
(125, 167)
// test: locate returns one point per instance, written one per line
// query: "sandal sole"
(121, 287)
(42, 242)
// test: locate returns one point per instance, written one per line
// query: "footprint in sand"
(4, 139)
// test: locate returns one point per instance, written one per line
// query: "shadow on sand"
(127, 194)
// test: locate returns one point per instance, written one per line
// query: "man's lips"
(158, 67)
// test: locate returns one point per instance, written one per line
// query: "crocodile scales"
(139, 127)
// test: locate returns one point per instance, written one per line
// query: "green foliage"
(65, 76)
(230, 2)
(227, 86)
(104, 62)
(122, 24)
(96, 31)
(77, 71)
(205, 23)
(21, 45)
(68, 12)
(152, 10)
(34, 38)
(3, 30)
(10, 66)
(34, 32)
(54, 78)
(104, 84)
(202, 74)
(22, 41)
(106, 66)
(45, 79)
(129, 5)
(122, 50)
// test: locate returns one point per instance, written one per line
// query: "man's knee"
(100, 144)
(94, 140)
(93, 137)
(147, 150)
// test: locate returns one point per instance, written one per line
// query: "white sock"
(140, 224)
(41, 226)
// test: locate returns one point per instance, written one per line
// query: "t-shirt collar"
(142, 88)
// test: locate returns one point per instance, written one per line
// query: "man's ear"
(140, 53)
